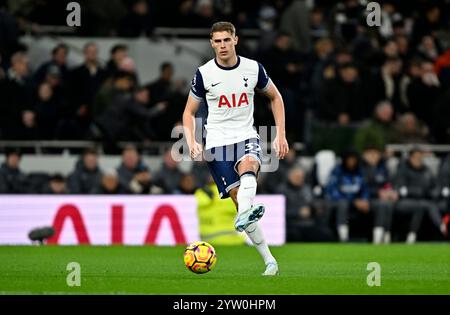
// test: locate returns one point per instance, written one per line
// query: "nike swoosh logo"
(215, 84)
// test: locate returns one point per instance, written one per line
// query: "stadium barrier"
(118, 220)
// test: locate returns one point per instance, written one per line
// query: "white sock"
(255, 234)
(246, 192)
(387, 237)
(411, 239)
(378, 232)
(343, 232)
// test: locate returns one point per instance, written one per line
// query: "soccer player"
(227, 85)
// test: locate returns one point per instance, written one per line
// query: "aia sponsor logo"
(233, 101)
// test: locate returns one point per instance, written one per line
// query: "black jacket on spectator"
(135, 25)
(296, 198)
(160, 90)
(376, 177)
(276, 62)
(127, 182)
(125, 119)
(422, 100)
(441, 119)
(420, 183)
(378, 89)
(41, 72)
(81, 180)
(340, 97)
(12, 180)
(168, 179)
(15, 97)
(274, 179)
(84, 86)
(49, 113)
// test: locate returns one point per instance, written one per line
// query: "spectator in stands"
(390, 84)
(285, 67)
(161, 89)
(283, 63)
(121, 85)
(345, 16)
(201, 173)
(134, 175)
(389, 16)
(294, 21)
(138, 22)
(347, 193)
(381, 193)
(416, 186)
(299, 211)
(378, 131)
(184, 15)
(444, 185)
(442, 68)
(428, 49)
(86, 175)
(404, 51)
(186, 185)
(316, 64)
(12, 179)
(9, 34)
(267, 24)
(109, 184)
(169, 175)
(59, 59)
(56, 185)
(86, 80)
(17, 119)
(271, 181)
(100, 18)
(344, 98)
(205, 14)
(48, 108)
(423, 94)
(318, 25)
(410, 130)
(441, 118)
(427, 23)
(127, 118)
(117, 54)
(168, 119)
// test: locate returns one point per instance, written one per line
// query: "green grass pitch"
(305, 269)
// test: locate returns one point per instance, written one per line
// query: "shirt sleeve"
(197, 87)
(263, 78)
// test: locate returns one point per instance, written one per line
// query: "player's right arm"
(191, 108)
(196, 95)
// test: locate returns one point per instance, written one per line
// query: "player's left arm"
(280, 143)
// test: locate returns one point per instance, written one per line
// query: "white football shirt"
(228, 93)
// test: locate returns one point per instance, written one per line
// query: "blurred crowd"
(91, 101)
(340, 198)
(388, 84)
(346, 86)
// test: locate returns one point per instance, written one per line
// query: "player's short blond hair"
(222, 27)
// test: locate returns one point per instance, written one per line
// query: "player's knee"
(248, 164)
